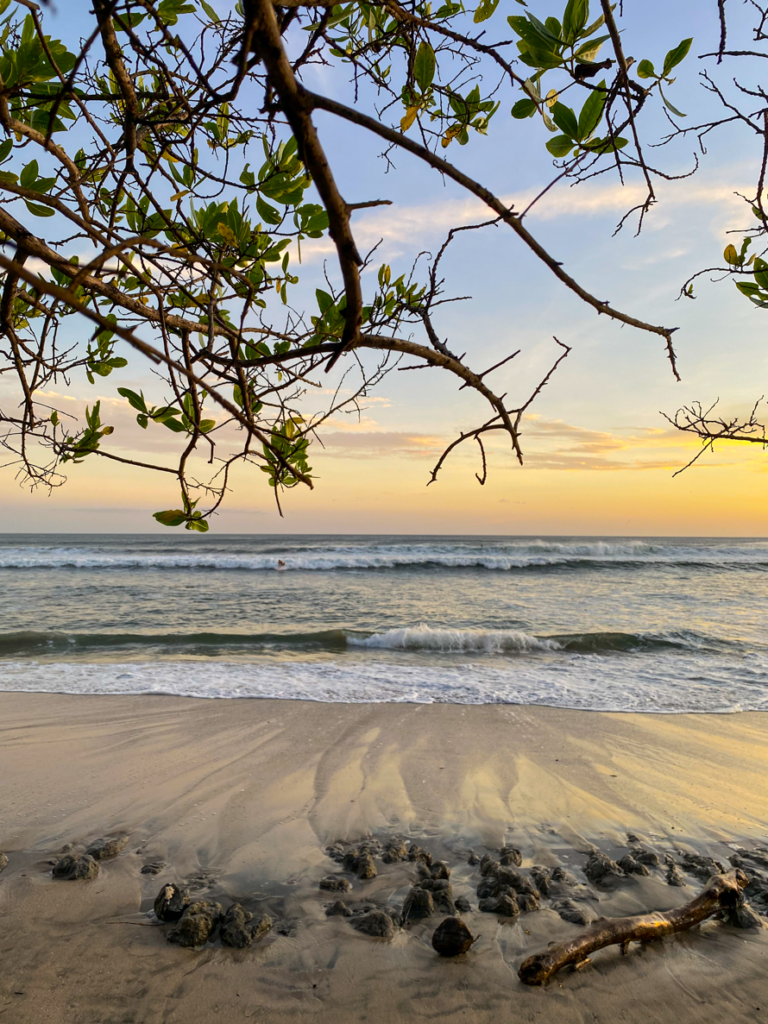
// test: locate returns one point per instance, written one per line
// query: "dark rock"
(171, 902)
(452, 937)
(488, 866)
(744, 917)
(443, 901)
(575, 913)
(527, 903)
(759, 856)
(647, 857)
(102, 849)
(71, 867)
(516, 881)
(365, 866)
(441, 870)
(674, 877)
(702, 867)
(261, 927)
(372, 846)
(510, 856)
(3, 861)
(487, 888)
(562, 876)
(418, 904)
(153, 868)
(67, 848)
(335, 883)
(600, 868)
(349, 861)
(463, 905)
(376, 923)
(417, 853)
(630, 866)
(338, 909)
(473, 859)
(541, 877)
(504, 905)
(397, 917)
(395, 851)
(235, 929)
(336, 852)
(197, 924)
(736, 861)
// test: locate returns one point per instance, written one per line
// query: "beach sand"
(241, 797)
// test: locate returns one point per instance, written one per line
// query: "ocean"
(616, 624)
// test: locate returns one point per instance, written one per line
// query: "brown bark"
(723, 893)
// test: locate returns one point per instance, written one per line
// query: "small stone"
(562, 876)
(417, 853)
(702, 867)
(527, 902)
(395, 852)
(441, 870)
(516, 881)
(336, 852)
(452, 937)
(338, 909)
(365, 866)
(473, 859)
(630, 866)
(376, 923)
(349, 861)
(744, 917)
(600, 868)
(335, 883)
(510, 856)
(102, 849)
(73, 868)
(674, 877)
(541, 877)
(153, 868)
(418, 904)
(487, 888)
(463, 905)
(67, 848)
(197, 925)
(235, 930)
(3, 861)
(488, 866)
(262, 926)
(575, 913)
(504, 905)
(646, 857)
(171, 902)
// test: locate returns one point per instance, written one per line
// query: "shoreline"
(244, 797)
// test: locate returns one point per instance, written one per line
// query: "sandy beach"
(240, 798)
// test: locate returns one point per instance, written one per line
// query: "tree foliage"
(176, 152)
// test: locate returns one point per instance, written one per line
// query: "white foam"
(482, 641)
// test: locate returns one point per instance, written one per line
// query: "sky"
(600, 458)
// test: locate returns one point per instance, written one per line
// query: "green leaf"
(267, 212)
(424, 66)
(565, 119)
(207, 425)
(39, 211)
(731, 256)
(561, 145)
(747, 287)
(592, 112)
(574, 19)
(761, 273)
(524, 108)
(137, 401)
(645, 69)
(29, 174)
(171, 517)
(200, 525)
(669, 106)
(676, 56)
(485, 10)
(209, 11)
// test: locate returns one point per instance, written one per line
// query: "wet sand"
(240, 799)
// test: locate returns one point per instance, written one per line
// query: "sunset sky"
(600, 457)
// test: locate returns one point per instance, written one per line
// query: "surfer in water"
(280, 563)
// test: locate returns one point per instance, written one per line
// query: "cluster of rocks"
(74, 866)
(202, 921)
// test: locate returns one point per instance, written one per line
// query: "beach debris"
(463, 905)
(452, 937)
(72, 867)
(338, 909)
(722, 896)
(418, 904)
(504, 905)
(335, 883)
(3, 861)
(395, 851)
(171, 902)
(510, 856)
(153, 868)
(630, 866)
(601, 869)
(197, 924)
(103, 849)
(377, 923)
(573, 912)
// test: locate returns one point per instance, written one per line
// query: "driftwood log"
(722, 895)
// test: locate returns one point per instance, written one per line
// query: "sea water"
(619, 624)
